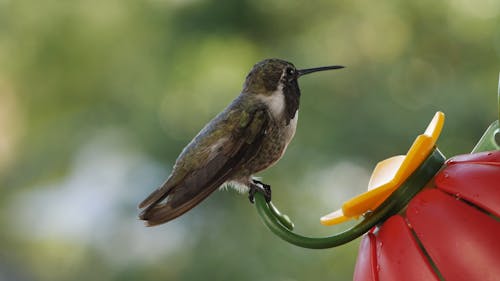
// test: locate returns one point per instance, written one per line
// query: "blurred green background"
(97, 98)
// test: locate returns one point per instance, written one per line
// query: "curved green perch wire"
(281, 225)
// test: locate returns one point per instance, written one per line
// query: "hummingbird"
(250, 135)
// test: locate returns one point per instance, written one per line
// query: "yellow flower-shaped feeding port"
(388, 175)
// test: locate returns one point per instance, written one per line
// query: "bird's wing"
(193, 180)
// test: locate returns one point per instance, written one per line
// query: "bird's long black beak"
(316, 69)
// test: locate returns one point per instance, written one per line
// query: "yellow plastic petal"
(336, 217)
(388, 175)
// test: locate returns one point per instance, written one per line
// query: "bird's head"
(274, 81)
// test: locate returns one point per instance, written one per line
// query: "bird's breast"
(278, 136)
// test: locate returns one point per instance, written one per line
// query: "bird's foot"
(258, 186)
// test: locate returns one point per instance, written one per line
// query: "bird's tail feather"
(178, 202)
(157, 196)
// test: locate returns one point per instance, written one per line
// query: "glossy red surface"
(456, 219)
(366, 265)
(398, 253)
(463, 242)
(474, 178)
(492, 157)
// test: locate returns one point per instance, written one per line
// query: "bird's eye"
(290, 71)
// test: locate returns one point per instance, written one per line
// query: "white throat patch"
(275, 102)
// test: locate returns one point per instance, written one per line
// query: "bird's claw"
(258, 186)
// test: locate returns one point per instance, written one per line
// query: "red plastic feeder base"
(450, 230)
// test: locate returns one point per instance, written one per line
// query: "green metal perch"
(281, 225)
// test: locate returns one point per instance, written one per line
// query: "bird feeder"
(423, 217)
